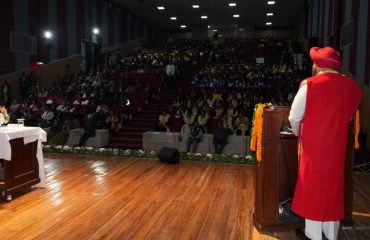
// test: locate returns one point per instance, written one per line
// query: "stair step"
(145, 120)
(153, 111)
(128, 141)
(144, 124)
(127, 135)
(126, 146)
(153, 118)
(136, 129)
(130, 136)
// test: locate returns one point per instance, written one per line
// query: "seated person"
(47, 117)
(194, 137)
(162, 126)
(188, 118)
(220, 135)
(202, 121)
(218, 110)
(241, 125)
(89, 126)
(112, 122)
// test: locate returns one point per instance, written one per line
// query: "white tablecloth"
(30, 134)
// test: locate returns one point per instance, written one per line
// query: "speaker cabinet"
(169, 155)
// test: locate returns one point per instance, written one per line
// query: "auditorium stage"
(126, 198)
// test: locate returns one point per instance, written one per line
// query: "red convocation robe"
(332, 101)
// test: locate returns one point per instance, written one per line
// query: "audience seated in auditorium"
(227, 82)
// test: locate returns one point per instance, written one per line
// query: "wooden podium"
(22, 171)
(276, 175)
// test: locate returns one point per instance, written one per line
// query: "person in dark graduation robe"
(320, 117)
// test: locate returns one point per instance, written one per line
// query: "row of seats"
(156, 140)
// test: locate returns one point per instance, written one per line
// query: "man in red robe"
(320, 116)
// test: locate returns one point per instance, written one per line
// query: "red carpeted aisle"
(130, 136)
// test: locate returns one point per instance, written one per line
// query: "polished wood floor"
(123, 198)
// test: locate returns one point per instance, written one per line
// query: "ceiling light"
(215, 30)
(48, 34)
(268, 23)
(269, 14)
(96, 31)
(204, 17)
(220, 35)
(160, 8)
(208, 26)
(183, 26)
(270, 2)
(173, 18)
(236, 15)
(195, 6)
(232, 4)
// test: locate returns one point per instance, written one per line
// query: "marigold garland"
(357, 129)
(256, 136)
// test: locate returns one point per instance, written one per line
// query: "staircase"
(131, 135)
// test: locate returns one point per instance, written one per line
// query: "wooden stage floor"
(124, 198)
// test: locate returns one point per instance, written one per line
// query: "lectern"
(22, 171)
(276, 175)
(21, 158)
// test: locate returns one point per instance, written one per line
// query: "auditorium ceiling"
(218, 12)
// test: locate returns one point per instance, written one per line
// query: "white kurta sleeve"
(298, 108)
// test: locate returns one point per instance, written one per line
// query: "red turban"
(326, 57)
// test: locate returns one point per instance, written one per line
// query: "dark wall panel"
(355, 17)
(62, 28)
(80, 22)
(322, 22)
(6, 19)
(367, 73)
(111, 23)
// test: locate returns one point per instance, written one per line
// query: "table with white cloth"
(21, 158)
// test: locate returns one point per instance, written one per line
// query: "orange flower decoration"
(256, 136)
(357, 129)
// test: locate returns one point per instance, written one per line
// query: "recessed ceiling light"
(96, 31)
(208, 26)
(236, 15)
(215, 30)
(270, 14)
(48, 34)
(220, 35)
(173, 18)
(268, 23)
(232, 4)
(204, 17)
(270, 2)
(183, 26)
(195, 6)
(160, 8)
